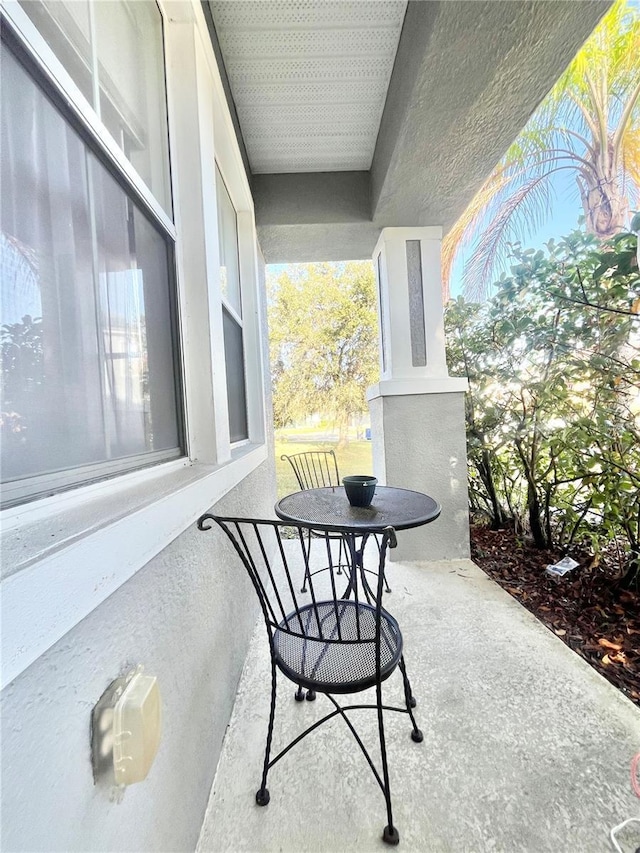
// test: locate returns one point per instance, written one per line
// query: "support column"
(417, 409)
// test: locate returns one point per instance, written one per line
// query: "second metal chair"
(317, 469)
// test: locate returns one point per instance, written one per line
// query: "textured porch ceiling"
(309, 78)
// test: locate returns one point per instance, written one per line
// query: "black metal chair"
(317, 469)
(314, 469)
(329, 644)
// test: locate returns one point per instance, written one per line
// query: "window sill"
(65, 555)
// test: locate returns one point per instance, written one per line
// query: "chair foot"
(311, 695)
(262, 797)
(413, 702)
(299, 695)
(391, 835)
(417, 736)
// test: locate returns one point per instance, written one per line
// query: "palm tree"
(589, 126)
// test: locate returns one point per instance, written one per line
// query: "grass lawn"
(355, 458)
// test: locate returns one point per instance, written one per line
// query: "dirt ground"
(586, 608)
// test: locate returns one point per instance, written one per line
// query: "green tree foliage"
(22, 376)
(323, 340)
(553, 413)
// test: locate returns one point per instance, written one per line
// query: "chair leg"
(407, 684)
(340, 552)
(262, 796)
(306, 573)
(410, 701)
(390, 834)
(387, 588)
(299, 694)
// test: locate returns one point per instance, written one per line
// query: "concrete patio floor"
(526, 748)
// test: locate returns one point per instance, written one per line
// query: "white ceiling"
(309, 78)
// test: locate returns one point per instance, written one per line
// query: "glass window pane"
(135, 323)
(132, 87)
(65, 26)
(86, 332)
(228, 237)
(236, 389)
(129, 57)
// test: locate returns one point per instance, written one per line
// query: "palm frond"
(462, 232)
(631, 155)
(531, 202)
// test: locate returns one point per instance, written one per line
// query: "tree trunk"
(605, 206)
(498, 520)
(535, 519)
(343, 435)
(631, 578)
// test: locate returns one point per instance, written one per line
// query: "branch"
(586, 115)
(584, 292)
(582, 139)
(602, 124)
(588, 304)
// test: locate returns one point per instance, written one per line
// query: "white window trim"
(248, 321)
(93, 538)
(254, 367)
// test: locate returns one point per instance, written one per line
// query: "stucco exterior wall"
(419, 443)
(187, 616)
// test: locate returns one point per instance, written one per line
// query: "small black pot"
(360, 489)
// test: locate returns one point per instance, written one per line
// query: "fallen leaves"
(585, 609)
(619, 658)
(607, 644)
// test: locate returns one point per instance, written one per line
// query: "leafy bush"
(553, 412)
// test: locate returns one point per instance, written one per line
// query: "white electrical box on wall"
(126, 729)
(136, 729)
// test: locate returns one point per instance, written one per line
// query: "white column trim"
(426, 232)
(429, 385)
(395, 300)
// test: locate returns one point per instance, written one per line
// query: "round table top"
(329, 508)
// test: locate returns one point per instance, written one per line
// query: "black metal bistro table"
(329, 509)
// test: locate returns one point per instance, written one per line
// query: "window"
(232, 313)
(112, 50)
(88, 332)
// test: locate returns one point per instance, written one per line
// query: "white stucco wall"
(187, 617)
(419, 443)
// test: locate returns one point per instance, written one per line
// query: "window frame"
(64, 555)
(227, 305)
(22, 38)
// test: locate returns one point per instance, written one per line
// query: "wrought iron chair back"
(314, 469)
(335, 640)
(317, 469)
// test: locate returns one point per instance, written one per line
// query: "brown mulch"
(585, 608)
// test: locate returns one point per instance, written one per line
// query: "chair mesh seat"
(322, 656)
